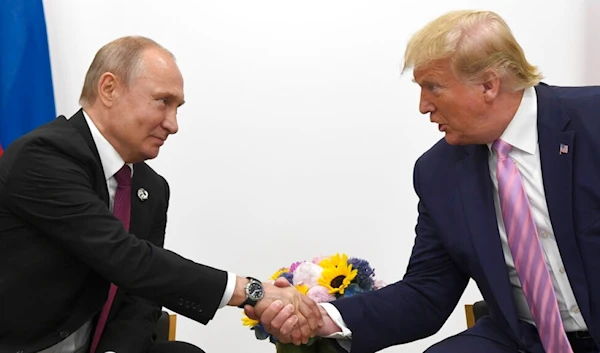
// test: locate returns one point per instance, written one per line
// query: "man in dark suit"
(510, 198)
(82, 222)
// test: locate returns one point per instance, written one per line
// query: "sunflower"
(246, 321)
(302, 288)
(334, 261)
(279, 272)
(338, 278)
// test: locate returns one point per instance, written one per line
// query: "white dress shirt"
(111, 162)
(522, 134)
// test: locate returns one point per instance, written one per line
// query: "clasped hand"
(286, 313)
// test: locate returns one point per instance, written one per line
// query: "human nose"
(425, 105)
(170, 123)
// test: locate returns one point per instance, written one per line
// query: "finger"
(282, 282)
(297, 336)
(288, 326)
(310, 310)
(304, 329)
(281, 317)
(249, 311)
(284, 339)
(270, 313)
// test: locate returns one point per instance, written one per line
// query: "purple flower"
(365, 275)
(294, 266)
(288, 275)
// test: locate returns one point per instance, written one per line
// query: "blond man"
(510, 198)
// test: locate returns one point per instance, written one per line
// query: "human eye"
(162, 101)
(430, 86)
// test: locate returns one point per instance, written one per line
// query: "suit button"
(64, 334)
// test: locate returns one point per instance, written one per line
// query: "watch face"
(255, 290)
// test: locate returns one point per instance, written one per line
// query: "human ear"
(490, 85)
(107, 88)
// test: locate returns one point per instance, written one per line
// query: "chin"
(453, 140)
(150, 154)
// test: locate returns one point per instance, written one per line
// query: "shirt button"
(575, 309)
(561, 270)
(545, 235)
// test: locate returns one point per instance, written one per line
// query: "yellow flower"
(279, 272)
(302, 288)
(246, 321)
(334, 261)
(337, 279)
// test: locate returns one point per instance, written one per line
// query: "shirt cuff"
(229, 289)
(344, 338)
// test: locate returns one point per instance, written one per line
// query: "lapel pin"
(142, 194)
(564, 149)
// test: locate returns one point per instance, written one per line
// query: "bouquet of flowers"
(323, 279)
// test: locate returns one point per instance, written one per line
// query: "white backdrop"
(299, 135)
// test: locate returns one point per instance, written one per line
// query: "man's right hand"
(290, 325)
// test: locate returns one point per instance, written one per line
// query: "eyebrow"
(170, 96)
(423, 82)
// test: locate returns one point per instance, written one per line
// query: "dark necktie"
(121, 210)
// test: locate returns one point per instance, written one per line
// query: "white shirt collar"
(522, 132)
(109, 157)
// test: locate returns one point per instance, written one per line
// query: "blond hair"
(122, 57)
(474, 41)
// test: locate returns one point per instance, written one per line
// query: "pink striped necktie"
(121, 210)
(527, 254)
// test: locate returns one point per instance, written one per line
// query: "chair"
(475, 312)
(166, 326)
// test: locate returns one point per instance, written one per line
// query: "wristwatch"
(254, 292)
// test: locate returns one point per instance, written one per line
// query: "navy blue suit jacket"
(458, 239)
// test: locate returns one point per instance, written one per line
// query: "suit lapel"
(78, 121)
(476, 191)
(140, 209)
(557, 171)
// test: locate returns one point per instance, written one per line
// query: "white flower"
(320, 294)
(308, 274)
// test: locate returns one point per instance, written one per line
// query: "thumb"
(249, 311)
(281, 282)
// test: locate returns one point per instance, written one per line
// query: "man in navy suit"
(477, 85)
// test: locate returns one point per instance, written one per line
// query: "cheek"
(151, 119)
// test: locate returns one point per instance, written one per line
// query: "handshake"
(287, 314)
(293, 308)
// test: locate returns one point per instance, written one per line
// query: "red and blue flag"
(26, 92)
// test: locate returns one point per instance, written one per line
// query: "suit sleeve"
(132, 328)
(415, 307)
(52, 191)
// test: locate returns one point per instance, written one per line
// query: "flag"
(564, 149)
(26, 92)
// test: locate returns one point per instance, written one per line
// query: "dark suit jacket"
(457, 233)
(132, 320)
(61, 246)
